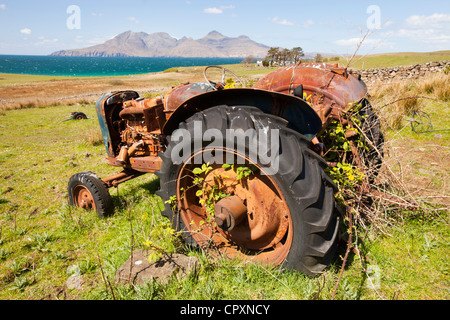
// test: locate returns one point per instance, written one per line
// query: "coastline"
(56, 66)
(18, 91)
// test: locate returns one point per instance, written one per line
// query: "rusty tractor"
(200, 140)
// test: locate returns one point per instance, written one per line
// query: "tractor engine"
(141, 121)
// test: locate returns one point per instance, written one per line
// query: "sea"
(99, 67)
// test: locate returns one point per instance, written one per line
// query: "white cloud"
(436, 20)
(43, 41)
(387, 23)
(308, 23)
(433, 29)
(134, 19)
(282, 21)
(367, 43)
(213, 11)
(2, 6)
(431, 36)
(217, 10)
(25, 31)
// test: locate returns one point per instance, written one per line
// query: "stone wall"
(401, 72)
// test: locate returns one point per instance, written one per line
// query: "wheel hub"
(230, 212)
(83, 198)
(252, 218)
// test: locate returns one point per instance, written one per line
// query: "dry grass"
(415, 168)
(92, 136)
(19, 92)
(400, 100)
(54, 92)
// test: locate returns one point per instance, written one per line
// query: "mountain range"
(161, 44)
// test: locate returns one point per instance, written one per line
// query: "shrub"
(171, 70)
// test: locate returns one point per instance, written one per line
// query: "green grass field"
(396, 59)
(42, 239)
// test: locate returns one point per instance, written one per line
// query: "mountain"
(160, 44)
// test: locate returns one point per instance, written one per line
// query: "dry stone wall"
(402, 72)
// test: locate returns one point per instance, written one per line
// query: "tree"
(249, 59)
(275, 55)
(319, 58)
(284, 56)
(272, 55)
(297, 53)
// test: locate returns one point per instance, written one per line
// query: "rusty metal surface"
(262, 219)
(83, 198)
(328, 88)
(122, 177)
(148, 164)
(230, 212)
(179, 94)
(300, 115)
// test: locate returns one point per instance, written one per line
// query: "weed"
(20, 283)
(171, 70)
(17, 266)
(39, 241)
(87, 266)
(4, 254)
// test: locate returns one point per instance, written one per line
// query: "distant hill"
(141, 44)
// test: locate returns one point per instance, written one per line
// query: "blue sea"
(96, 67)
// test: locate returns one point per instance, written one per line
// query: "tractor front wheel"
(89, 192)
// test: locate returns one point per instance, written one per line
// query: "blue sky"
(41, 27)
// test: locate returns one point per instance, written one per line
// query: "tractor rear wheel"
(372, 153)
(245, 209)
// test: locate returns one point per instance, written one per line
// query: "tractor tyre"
(371, 127)
(89, 192)
(79, 116)
(286, 217)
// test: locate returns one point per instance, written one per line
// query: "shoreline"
(20, 91)
(95, 67)
(130, 75)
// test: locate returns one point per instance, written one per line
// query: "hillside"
(141, 44)
(384, 60)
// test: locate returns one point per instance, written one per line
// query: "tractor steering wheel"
(220, 85)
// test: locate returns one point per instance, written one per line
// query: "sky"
(40, 27)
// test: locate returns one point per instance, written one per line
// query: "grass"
(395, 59)
(26, 91)
(412, 96)
(9, 78)
(421, 246)
(43, 240)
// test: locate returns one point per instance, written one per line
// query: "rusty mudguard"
(296, 111)
(329, 89)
